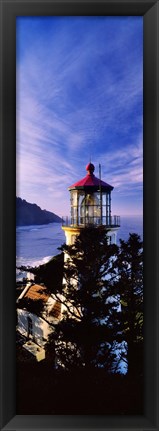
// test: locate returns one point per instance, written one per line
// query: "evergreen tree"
(130, 288)
(85, 336)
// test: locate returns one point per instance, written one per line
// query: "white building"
(36, 325)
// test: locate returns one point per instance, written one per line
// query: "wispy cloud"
(79, 94)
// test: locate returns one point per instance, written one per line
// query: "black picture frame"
(150, 12)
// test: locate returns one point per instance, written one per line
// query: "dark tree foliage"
(51, 273)
(130, 288)
(97, 278)
(35, 306)
(86, 335)
(102, 298)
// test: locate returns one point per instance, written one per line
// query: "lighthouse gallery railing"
(108, 221)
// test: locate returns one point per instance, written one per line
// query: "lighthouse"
(90, 200)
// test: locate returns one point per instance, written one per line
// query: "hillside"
(32, 214)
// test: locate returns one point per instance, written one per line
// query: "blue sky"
(79, 95)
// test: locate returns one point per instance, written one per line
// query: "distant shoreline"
(39, 224)
(28, 214)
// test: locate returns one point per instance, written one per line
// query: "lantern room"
(91, 201)
(90, 206)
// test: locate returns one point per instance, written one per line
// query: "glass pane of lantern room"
(81, 209)
(97, 208)
(103, 198)
(74, 197)
(81, 195)
(103, 208)
(90, 209)
(73, 207)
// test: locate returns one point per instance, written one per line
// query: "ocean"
(35, 245)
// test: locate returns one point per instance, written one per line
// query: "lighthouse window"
(74, 198)
(90, 209)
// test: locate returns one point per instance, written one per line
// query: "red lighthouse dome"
(90, 168)
(90, 180)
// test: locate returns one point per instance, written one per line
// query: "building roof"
(37, 292)
(56, 310)
(90, 180)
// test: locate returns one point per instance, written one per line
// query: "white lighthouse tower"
(90, 206)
